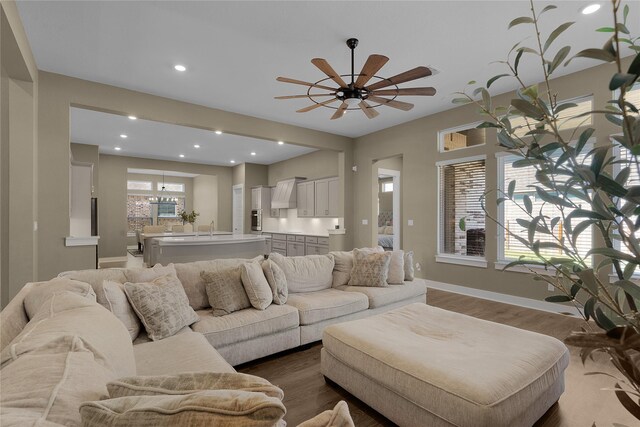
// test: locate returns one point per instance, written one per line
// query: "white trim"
(500, 265)
(453, 130)
(504, 298)
(471, 261)
(397, 215)
(233, 189)
(81, 241)
(461, 160)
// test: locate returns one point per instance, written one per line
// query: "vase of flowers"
(188, 219)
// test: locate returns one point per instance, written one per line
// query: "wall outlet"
(550, 287)
(410, 223)
(365, 222)
(418, 266)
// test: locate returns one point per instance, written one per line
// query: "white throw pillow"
(277, 281)
(396, 268)
(306, 273)
(256, 285)
(44, 290)
(408, 266)
(119, 305)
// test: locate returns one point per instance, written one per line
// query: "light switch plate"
(410, 223)
(550, 287)
(35, 225)
(365, 222)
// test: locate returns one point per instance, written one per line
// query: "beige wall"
(319, 164)
(57, 93)
(18, 153)
(416, 141)
(205, 199)
(88, 154)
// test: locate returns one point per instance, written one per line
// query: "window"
(566, 119)
(171, 210)
(511, 249)
(138, 212)
(462, 219)
(139, 185)
(461, 137)
(172, 187)
(634, 179)
(386, 187)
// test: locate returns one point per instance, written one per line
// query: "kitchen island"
(165, 250)
(147, 237)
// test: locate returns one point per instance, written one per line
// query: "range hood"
(285, 194)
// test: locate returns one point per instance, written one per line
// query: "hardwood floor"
(307, 394)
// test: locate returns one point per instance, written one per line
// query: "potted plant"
(586, 187)
(188, 219)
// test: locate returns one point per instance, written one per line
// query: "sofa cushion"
(203, 408)
(118, 304)
(379, 297)
(327, 304)
(95, 279)
(194, 285)
(306, 273)
(245, 324)
(48, 388)
(369, 269)
(142, 274)
(67, 314)
(225, 291)
(396, 268)
(409, 273)
(255, 285)
(39, 294)
(344, 265)
(191, 382)
(161, 305)
(277, 281)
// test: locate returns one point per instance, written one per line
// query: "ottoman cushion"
(463, 370)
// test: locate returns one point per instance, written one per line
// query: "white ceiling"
(163, 141)
(234, 50)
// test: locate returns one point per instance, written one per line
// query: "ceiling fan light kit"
(355, 95)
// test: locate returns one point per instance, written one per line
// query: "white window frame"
(442, 133)
(139, 182)
(501, 261)
(383, 186)
(467, 260)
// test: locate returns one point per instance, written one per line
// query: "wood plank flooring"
(297, 372)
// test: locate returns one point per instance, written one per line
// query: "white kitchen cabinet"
(327, 196)
(260, 198)
(295, 249)
(306, 199)
(276, 213)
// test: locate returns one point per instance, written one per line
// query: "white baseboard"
(504, 298)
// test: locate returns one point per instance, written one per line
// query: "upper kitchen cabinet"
(306, 199)
(273, 212)
(260, 198)
(327, 195)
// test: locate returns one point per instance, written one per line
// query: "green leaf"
(486, 99)
(611, 187)
(620, 79)
(623, 176)
(582, 140)
(605, 30)
(564, 106)
(629, 269)
(575, 288)
(625, 13)
(612, 253)
(511, 189)
(472, 82)
(521, 20)
(494, 78)
(558, 298)
(589, 308)
(608, 46)
(560, 56)
(597, 162)
(500, 200)
(550, 198)
(528, 204)
(629, 287)
(578, 229)
(603, 321)
(487, 125)
(527, 108)
(460, 100)
(634, 68)
(593, 53)
(555, 33)
(547, 8)
(506, 140)
(517, 61)
(589, 280)
(462, 224)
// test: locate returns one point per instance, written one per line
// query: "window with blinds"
(462, 219)
(512, 249)
(140, 185)
(566, 119)
(174, 187)
(634, 179)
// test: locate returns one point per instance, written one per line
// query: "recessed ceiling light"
(587, 10)
(196, 146)
(180, 68)
(280, 142)
(133, 118)
(253, 153)
(218, 132)
(232, 161)
(181, 155)
(117, 148)
(123, 136)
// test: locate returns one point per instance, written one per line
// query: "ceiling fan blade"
(302, 96)
(324, 66)
(300, 82)
(404, 106)
(368, 110)
(413, 74)
(340, 111)
(422, 91)
(370, 68)
(314, 106)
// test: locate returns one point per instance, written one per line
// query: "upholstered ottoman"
(423, 366)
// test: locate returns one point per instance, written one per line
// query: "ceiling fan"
(356, 94)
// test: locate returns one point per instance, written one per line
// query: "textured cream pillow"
(256, 285)
(338, 417)
(41, 293)
(203, 408)
(370, 269)
(191, 382)
(396, 268)
(344, 265)
(143, 275)
(408, 266)
(225, 291)
(161, 305)
(277, 281)
(306, 273)
(119, 305)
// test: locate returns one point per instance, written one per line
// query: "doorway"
(386, 198)
(238, 209)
